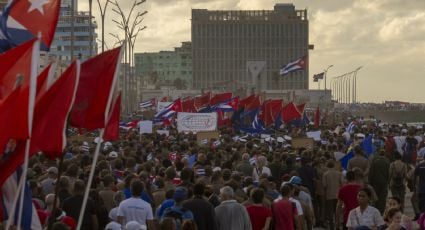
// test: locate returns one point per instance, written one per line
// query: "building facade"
(246, 49)
(166, 67)
(61, 46)
(3, 3)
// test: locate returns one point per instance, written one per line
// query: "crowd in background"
(153, 181)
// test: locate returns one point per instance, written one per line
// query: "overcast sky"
(386, 37)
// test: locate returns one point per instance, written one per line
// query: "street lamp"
(326, 73)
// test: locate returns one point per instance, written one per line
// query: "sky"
(385, 37)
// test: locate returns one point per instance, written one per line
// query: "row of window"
(246, 30)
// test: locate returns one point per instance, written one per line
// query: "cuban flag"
(23, 20)
(168, 112)
(258, 124)
(299, 64)
(228, 106)
(147, 103)
(351, 127)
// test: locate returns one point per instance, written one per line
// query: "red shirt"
(283, 214)
(348, 195)
(258, 216)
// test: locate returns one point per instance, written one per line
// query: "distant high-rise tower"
(246, 49)
(61, 46)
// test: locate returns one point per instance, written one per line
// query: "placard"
(202, 136)
(315, 135)
(161, 132)
(145, 127)
(307, 143)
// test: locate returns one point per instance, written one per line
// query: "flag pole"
(52, 219)
(90, 180)
(31, 102)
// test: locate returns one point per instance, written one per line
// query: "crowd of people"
(154, 181)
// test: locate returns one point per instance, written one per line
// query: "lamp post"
(326, 73)
(102, 17)
(90, 29)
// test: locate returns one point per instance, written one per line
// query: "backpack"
(398, 179)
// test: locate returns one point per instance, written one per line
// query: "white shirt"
(135, 209)
(256, 173)
(370, 218)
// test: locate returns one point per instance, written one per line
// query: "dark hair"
(107, 180)
(199, 189)
(366, 190)
(186, 174)
(257, 195)
(136, 188)
(396, 199)
(285, 190)
(397, 155)
(59, 226)
(390, 213)
(79, 187)
(351, 176)
(169, 194)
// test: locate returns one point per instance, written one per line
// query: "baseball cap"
(52, 170)
(134, 225)
(113, 154)
(295, 180)
(180, 193)
(113, 226)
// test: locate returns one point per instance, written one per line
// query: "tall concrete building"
(165, 67)
(61, 46)
(3, 3)
(245, 49)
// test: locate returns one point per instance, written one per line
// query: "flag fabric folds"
(299, 64)
(317, 118)
(147, 103)
(22, 20)
(202, 101)
(51, 112)
(94, 92)
(290, 112)
(318, 76)
(112, 128)
(220, 98)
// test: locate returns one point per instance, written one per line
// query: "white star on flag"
(38, 5)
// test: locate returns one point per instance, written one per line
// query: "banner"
(145, 127)
(194, 122)
(162, 105)
(306, 143)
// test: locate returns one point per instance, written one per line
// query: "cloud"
(387, 37)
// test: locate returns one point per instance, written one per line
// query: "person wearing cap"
(48, 184)
(134, 225)
(113, 217)
(230, 214)
(177, 211)
(134, 208)
(305, 199)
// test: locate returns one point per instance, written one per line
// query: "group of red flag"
(36, 108)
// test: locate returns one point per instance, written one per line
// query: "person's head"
(134, 225)
(79, 187)
(167, 223)
(397, 155)
(186, 174)
(180, 194)
(107, 180)
(393, 216)
(60, 226)
(226, 193)
(257, 195)
(286, 190)
(261, 161)
(394, 202)
(199, 189)
(330, 164)
(350, 176)
(170, 173)
(49, 200)
(136, 188)
(364, 196)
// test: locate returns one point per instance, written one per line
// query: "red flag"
(202, 101)
(112, 128)
(301, 108)
(272, 109)
(290, 112)
(247, 100)
(255, 103)
(94, 93)
(43, 80)
(220, 98)
(33, 17)
(51, 112)
(15, 66)
(164, 99)
(317, 118)
(188, 105)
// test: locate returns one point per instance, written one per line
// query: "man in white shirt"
(136, 209)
